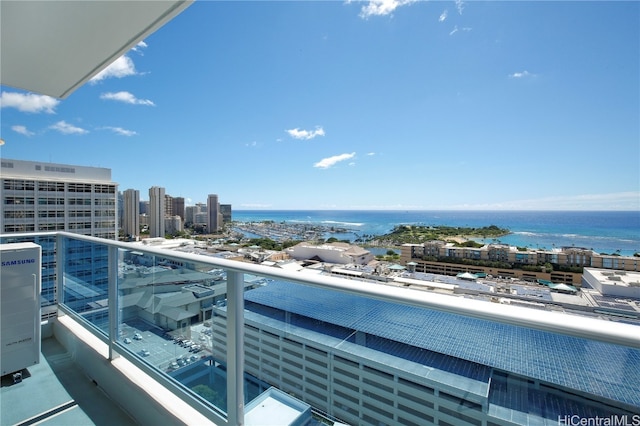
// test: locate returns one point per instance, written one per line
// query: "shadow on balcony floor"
(57, 392)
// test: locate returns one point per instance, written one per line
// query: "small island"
(460, 236)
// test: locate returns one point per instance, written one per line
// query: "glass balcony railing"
(218, 333)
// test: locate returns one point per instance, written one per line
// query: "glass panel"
(165, 314)
(390, 361)
(85, 281)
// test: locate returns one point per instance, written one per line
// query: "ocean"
(603, 231)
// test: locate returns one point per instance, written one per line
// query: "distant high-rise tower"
(131, 213)
(156, 211)
(168, 205)
(178, 207)
(213, 211)
(225, 211)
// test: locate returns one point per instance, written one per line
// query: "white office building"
(39, 197)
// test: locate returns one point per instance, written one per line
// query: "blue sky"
(355, 105)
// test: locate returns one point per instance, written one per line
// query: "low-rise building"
(613, 283)
(440, 257)
(338, 253)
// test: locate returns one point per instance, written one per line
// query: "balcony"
(161, 336)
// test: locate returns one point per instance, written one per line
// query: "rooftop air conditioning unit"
(20, 284)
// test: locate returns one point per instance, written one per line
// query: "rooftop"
(564, 360)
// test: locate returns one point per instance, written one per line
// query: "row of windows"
(105, 189)
(48, 214)
(51, 186)
(58, 201)
(22, 214)
(20, 227)
(30, 185)
(80, 213)
(51, 214)
(18, 185)
(59, 226)
(79, 187)
(51, 201)
(51, 227)
(9, 200)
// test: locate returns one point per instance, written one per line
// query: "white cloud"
(325, 163)
(68, 129)
(121, 67)
(138, 47)
(122, 132)
(126, 97)
(22, 130)
(382, 7)
(28, 102)
(523, 74)
(443, 16)
(371, 154)
(305, 134)
(456, 29)
(460, 6)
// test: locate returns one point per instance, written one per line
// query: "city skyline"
(395, 105)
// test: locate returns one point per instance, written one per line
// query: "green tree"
(206, 392)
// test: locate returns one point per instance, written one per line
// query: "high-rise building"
(131, 215)
(58, 197)
(173, 225)
(177, 207)
(37, 197)
(156, 211)
(120, 209)
(168, 205)
(214, 221)
(225, 211)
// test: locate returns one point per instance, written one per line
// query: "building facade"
(39, 197)
(156, 211)
(131, 214)
(225, 210)
(178, 207)
(214, 221)
(339, 253)
(173, 225)
(443, 258)
(379, 363)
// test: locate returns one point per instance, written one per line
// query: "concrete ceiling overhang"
(52, 47)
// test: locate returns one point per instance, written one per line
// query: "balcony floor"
(57, 392)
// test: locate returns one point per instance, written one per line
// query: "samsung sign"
(18, 262)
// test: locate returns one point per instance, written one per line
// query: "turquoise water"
(602, 231)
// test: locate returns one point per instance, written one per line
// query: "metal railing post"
(60, 263)
(112, 293)
(235, 348)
